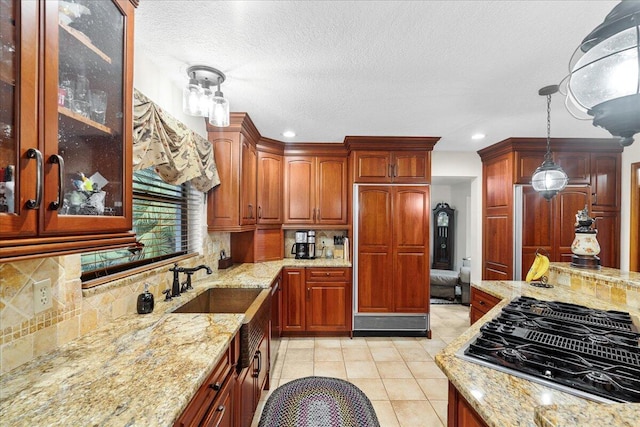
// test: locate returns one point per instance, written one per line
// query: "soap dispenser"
(145, 301)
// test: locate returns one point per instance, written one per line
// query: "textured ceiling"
(327, 69)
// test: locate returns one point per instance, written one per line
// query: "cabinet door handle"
(395, 170)
(314, 214)
(259, 211)
(250, 211)
(32, 153)
(390, 170)
(318, 214)
(308, 293)
(220, 409)
(58, 160)
(217, 386)
(595, 198)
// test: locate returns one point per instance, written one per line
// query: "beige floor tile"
(415, 413)
(353, 342)
(440, 407)
(296, 369)
(328, 355)
(372, 387)
(389, 354)
(403, 389)
(379, 342)
(405, 342)
(330, 369)
(393, 370)
(298, 354)
(276, 372)
(411, 354)
(361, 369)
(357, 354)
(328, 343)
(425, 370)
(301, 343)
(385, 413)
(435, 388)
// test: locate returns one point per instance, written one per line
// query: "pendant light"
(605, 75)
(198, 100)
(549, 178)
(219, 109)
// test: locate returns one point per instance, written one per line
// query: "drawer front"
(328, 274)
(482, 301)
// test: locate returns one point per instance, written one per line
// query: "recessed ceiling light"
(288, 134)
(477, 136)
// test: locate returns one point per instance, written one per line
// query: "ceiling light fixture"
(605, 80)
(288, 134)
(549, 178)
(478, 136)
(198, 99)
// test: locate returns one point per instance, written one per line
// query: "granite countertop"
(140, 370)
(505, 400)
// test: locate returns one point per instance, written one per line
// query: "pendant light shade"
(219, 110)
(605, 74)
(198, 99)
(549, 178)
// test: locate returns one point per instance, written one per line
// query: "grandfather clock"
(443, 225)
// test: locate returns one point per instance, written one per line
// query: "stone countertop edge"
(503, 400)
(139, 370)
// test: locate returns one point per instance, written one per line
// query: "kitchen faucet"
(175, 287)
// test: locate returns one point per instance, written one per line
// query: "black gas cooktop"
(591, 353)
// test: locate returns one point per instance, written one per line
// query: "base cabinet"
(251, 381)
(460, 413)
(213, 403)
(316, 301)
(481, 303)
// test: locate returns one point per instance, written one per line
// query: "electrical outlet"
(42, 299)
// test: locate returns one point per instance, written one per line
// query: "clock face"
(443, 219)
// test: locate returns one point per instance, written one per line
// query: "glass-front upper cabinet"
(66, 118)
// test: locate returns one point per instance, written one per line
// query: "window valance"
(177, 153)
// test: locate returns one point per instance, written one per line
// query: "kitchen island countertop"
(139, 370)
(505, 400)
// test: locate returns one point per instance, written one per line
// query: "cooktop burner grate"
(589, 318)
(600, 351)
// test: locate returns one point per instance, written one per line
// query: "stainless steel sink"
(254, 303)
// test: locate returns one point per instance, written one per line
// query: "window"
(166, 221)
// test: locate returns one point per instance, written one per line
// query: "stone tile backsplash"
(25, 334)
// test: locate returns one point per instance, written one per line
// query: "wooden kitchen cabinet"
(316, 301)
(231, 206)
(213, 403)
(270, 182)
(315, 190)
(393, 249)
(48, 139)
(401, 167)
(593, 167)
(481, 303)
(251, 382)
(460, 413)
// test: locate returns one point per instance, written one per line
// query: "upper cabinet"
(231, 206)
(408, 162)
(270, 180)
(315, 189)
(403, 167)
(66, 119)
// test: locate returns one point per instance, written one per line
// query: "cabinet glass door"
(85, 157)
(8, 92)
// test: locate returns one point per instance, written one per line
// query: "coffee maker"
(305, 245)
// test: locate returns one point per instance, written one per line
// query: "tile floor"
(398, 375)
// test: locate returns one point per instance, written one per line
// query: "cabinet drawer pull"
(217, 386)
(481, 302)
(32, 153)
(328, 274)
(58, 160)
(221, 409)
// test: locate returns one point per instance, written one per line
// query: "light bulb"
(219, 111)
